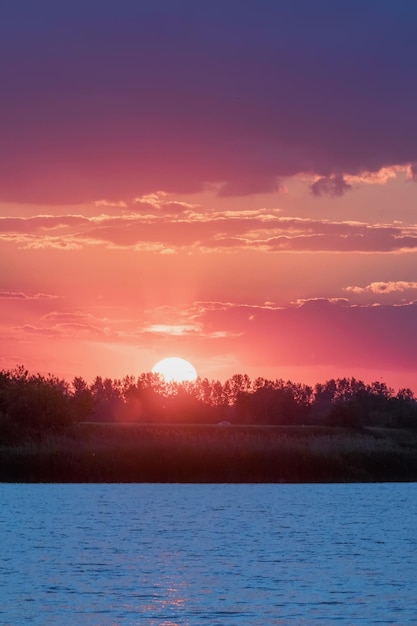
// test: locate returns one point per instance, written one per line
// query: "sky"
(231, 182)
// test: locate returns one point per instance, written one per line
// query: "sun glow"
(174, 369)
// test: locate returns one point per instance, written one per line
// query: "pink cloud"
(313, 335)
(35, 330)
(319, 333)
(20, 295)
(65, 329)
(163, 233)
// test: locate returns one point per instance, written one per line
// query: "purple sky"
(121, 98)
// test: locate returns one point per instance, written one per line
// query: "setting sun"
(175, 369)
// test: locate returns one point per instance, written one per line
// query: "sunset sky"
(229, 181)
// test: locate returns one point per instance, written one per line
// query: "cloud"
(172, 329)
(65, 316)
(334, 185)
(167, 233)
(320, 301)
(413, 171)
(173, 96)
(111, 203)
(20, 295)
(39, 223)
(36, 330)
(188, 330)
(162, 201)
(380, 177)
(250, 186)
(56, 243)
(72, 330)
(311, 334)
(79, 330)
(382, 287)
(318, 333)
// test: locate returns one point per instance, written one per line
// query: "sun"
(174, 369)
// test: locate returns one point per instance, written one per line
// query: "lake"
(182, 554)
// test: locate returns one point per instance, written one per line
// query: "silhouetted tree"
(34, 403)
(107, 398)
(82, 400)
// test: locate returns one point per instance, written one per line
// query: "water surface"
(208, 554)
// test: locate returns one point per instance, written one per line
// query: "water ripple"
(170, 555)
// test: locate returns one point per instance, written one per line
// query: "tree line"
(35, 403)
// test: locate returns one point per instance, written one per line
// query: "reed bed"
(132, 453)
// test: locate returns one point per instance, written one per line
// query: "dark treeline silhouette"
(36, 403)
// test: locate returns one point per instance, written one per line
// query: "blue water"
(208, 554)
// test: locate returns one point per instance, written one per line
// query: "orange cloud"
(164, 233)
(382, 287)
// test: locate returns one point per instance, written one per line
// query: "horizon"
(168, 383)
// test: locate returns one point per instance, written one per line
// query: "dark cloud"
(110, 100)
(330, 185)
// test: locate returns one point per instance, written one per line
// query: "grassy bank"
(138, 453)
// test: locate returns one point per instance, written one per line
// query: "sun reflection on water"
(167, 603)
